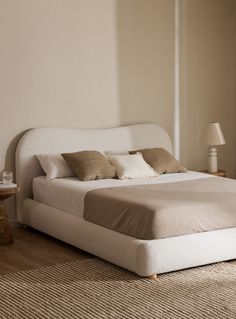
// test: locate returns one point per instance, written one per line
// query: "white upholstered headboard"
(59, 140)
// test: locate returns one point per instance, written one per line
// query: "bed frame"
(144, 257)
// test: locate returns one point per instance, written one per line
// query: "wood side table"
(220, 173)
(5, 232)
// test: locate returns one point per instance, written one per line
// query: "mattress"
(68, 194)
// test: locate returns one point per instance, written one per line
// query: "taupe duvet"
(164, 210)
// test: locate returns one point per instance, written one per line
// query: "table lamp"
(212, 135)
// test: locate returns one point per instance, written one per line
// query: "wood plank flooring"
(32, 249)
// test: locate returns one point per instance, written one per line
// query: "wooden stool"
(5, 232)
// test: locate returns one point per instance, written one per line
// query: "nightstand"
(220, 173)
(6, 191)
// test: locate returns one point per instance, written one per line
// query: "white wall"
(103, 63)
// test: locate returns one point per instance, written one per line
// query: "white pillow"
(55, 166)
(131, 166)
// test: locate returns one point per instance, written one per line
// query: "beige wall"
(146, 61)
(207, 92)
(234, 70)
(58, 66)
(234, 53)
(102, 63)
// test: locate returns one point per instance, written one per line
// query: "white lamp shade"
(212, 134)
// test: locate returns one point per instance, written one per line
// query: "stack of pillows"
(91, 165)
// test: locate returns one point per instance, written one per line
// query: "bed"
(59, 210)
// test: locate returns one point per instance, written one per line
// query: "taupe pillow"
(89, 165)
(161, 160)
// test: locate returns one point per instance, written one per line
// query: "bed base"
(144, 257)
(153, 277)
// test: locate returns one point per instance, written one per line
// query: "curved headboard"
(59, 140)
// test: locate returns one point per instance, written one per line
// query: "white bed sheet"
(68, 194)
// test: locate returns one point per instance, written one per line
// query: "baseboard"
(14, 224)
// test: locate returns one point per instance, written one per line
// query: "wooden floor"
(32, 249)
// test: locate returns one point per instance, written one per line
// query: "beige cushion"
(131, 166)
(161, 160)
(89, 165)
(112, 152)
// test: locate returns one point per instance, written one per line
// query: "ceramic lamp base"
(212, 159)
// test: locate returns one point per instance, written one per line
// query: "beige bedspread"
(164, 210)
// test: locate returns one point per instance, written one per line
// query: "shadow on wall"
(145, 48)
(10, 154)
(10, 166)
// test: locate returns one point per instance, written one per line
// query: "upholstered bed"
(56, 207)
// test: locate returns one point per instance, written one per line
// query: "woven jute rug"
(91, 288)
